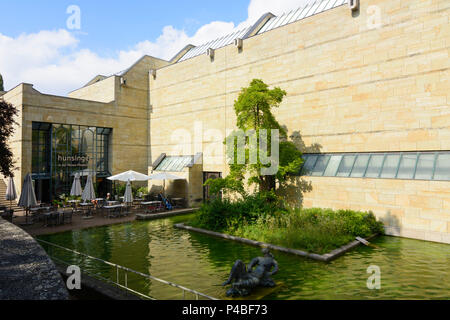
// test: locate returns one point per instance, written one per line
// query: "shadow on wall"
(391, 223)
(155, 190)
(297, 139)
(293, 191)
(173, 189)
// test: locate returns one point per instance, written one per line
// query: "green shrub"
(143, 190)
(220, 215)
(121, 187)
(262, 219)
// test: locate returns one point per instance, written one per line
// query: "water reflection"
(410, 269)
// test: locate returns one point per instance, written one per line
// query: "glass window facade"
(321, 165)
(407, 168)
(41, 150)
(346, 166)
(333, 166)
(375, 166)
(60, 151)
(390, 166)
(404, 165)
(442, 171)
(359, 168)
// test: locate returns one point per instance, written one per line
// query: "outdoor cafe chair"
(52, 219)
(7, 214)
(125, 211)
(114, 213)
(36, 214)
(67, 216)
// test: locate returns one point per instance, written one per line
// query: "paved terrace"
(98, 220)
(26, 272)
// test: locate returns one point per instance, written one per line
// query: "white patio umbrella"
(11, 193)
(76, 186)
(128, 196)
(165, 176)
(27, 196)
(129, 176)
(89, 192)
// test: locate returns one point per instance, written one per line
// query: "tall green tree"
(253, 110)
(1, 83)
(7, 114)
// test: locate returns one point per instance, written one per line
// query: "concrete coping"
(318, 257)
(26, 271)
(154, 216)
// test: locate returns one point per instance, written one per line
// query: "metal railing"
(126, 271)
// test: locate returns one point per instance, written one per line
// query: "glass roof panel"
(174, 164)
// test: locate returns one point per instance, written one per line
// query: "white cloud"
(53, 62)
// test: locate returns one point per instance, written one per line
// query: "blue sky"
(38, 47)
(105, 21)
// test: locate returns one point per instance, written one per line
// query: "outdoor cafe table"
(48, 214)
(87, 208)
(36, 210)
(151, 203)
(112, 208)
(73, 202)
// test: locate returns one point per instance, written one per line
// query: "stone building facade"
(372, 81)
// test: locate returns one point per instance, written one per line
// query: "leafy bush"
(221, 215)
(121, 187)
(143, 190)
(314, 230)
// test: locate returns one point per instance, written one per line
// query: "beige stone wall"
(102, 104)
(351, 88)
(191, 188)
(102, 91)
(413, 209)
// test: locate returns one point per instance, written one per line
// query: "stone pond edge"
(318, 257)
(154, 216)
(26, 271)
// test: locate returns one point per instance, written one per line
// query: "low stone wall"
(26, 271)
(319, 257)
(94, 289)
(154, 216)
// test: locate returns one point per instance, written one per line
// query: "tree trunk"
(267, 183)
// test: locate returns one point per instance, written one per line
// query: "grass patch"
(313, 230)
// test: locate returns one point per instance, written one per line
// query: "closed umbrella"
(89, 192)
(76, 186)
(27, 196)
(11, 194)
(128, 196)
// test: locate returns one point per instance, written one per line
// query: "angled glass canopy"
(175, 164)
(391, 165)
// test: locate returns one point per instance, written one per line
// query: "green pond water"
(410, 269)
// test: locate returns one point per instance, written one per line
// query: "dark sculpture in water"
(258, 274)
